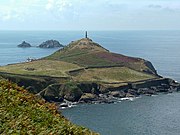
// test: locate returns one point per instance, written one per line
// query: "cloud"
(165, 7)
(63, 10)
(17, 10)
(59, 5)
(49, 4)
(10, 13)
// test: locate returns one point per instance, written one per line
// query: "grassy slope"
(23, 113)
(86, 53)
(41, 67)
(81, 58)
(60, 69)
(81, 52)
(114, 74)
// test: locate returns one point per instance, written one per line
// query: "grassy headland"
(81, 67)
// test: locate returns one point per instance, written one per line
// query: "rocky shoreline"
(69, 93)
(149, 88)
(126, 92)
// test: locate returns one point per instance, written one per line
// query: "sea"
(155, 115)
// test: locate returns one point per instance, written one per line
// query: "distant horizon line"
(104, 30)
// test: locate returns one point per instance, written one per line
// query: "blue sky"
(89, 14)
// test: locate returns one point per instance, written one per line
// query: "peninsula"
(86, 72)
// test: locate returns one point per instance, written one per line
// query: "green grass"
(109, 75)
(41, 67)
(60, 69)
(88, 60)
(23, 113)
(86, 53)
(81, 52)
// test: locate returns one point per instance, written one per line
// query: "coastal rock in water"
(129, 95)
(65, 105)
(24, 44)
(50, 44)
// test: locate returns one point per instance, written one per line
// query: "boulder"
(50, 44)
(129, 95)
(147, 91)
(63, 105)
(88, 97)
(133, 92)
(119, 94)
(24, 44)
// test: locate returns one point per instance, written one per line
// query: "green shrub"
(24, 113)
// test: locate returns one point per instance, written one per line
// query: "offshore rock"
(24, 44)
(50, 44)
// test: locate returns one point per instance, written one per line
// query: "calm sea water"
(158, 115)
(145, 116)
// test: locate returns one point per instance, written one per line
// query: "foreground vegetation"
(24, 113)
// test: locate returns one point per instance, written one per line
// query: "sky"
(89, 14)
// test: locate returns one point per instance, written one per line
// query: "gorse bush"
(24, 113)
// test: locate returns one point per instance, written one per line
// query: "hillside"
(85, 60)
(84, 71)
(24, 113)
(86, 53)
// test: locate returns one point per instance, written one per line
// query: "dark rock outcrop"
(89, 88)
(70, 92)
(51, 93)
(151, 69)
(24, 44)
(50, 44)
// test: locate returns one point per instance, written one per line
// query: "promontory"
(85, 72)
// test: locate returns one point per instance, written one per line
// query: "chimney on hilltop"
(86, 34)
